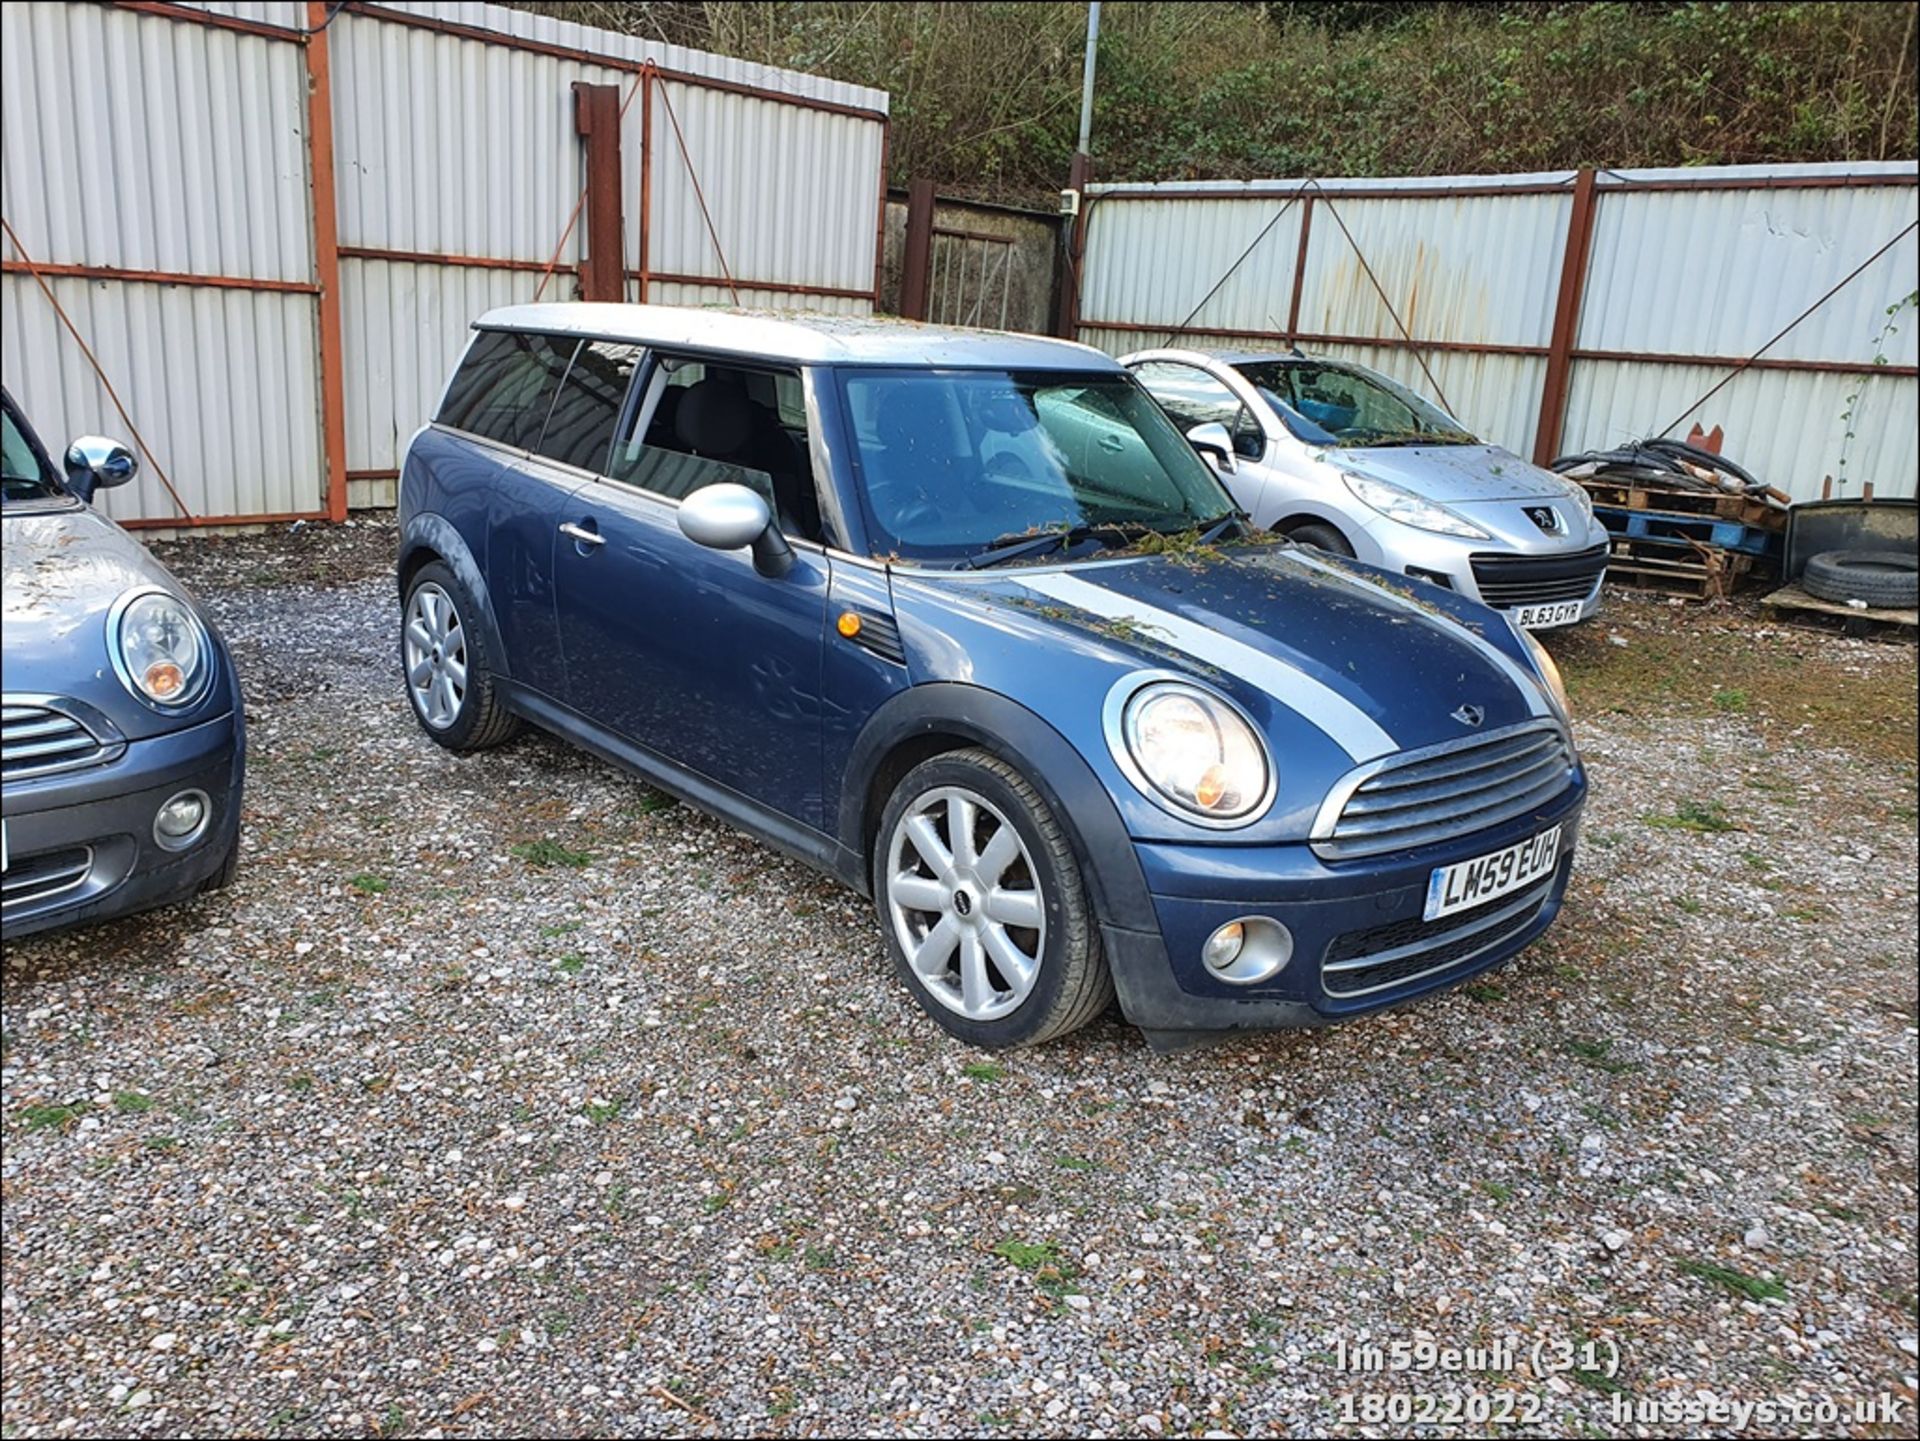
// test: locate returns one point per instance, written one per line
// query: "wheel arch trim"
(432, 537)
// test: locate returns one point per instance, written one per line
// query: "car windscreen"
(1323, 403)
(956, 462)
(23, 475)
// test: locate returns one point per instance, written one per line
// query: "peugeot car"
(122, 743)
(964, 620)
(1340, 457)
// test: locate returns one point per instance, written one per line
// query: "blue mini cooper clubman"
(963, 619)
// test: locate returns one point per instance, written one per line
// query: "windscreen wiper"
(1018, 547)
(1232, 520)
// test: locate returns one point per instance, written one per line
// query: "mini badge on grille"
(1470, 715)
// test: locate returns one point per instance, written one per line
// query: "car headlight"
(1582, 501)
(1549, 672)
(1409, 509)
(159, 648)
(1195, 753)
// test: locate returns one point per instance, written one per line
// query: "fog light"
(1223, 946)
(182, 820)
(1248, 951)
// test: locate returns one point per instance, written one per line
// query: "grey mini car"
(122, 737)
(1339, 456)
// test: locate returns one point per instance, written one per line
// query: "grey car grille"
(1506, 581)
(1362, 962)
(40, 878)
(1428, 796)
(36, 738)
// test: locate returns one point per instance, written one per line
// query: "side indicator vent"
(873, 632)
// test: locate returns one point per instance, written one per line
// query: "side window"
(581, 425)
(1192, 397)
(506, 385)
(703, 422)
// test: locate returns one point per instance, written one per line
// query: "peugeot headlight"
(1583, 502)
(1409, 509)
(159, 648)
(1195, 753)
(1549, 672)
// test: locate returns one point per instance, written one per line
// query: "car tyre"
(447, 668)
(223, 877)
(1321, 537)
(1887, 578)
(993, 935)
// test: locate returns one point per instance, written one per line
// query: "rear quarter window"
(505, 386)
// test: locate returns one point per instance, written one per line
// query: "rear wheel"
(1321, 537)
(449, 673)
(985, 912)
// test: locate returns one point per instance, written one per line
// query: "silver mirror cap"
(1214, 441)
(105, 462)
(724, 516)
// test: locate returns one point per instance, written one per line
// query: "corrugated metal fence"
(1558, 312)
(273, 223)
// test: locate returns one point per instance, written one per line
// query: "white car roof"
(1214, 357)
(799, 337)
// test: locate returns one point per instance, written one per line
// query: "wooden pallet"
(1710, 574)
(1761, 511)
(1859, 621)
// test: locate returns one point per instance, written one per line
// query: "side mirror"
(1214, 442)
(96, 463)
(732, 517)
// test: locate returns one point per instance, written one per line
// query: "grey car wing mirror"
(730, 517)
(1214, 442)
(96, 463)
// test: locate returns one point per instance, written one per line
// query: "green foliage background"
(986, 95)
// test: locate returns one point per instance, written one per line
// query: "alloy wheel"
(436, 656)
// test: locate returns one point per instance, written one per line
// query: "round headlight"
(1196, 752)
(159, 649)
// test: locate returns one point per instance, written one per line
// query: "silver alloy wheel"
(966, 903)
(436, 653)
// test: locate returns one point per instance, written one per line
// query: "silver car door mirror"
(1213, 442)
(96, 463)
(729, 517)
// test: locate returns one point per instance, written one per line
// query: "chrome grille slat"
(1432, 796)
(39, 878)
(36, 738)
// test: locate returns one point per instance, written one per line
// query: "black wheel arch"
(926, 720)
(429, 537)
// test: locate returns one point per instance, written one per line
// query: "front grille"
(35, 738)
(1509, 580)
(1444, 792)
(1362, 962)
(38, 878)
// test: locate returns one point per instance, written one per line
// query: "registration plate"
(1466, 884)
(1542, 617)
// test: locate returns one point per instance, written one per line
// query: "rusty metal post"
(1299, 269)
(326, 258)
(916, 259)
(596, 117)
(1566, 320)
(1066, 320)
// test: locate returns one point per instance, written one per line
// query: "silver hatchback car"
(1339, 456)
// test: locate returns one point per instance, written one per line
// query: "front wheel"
(986, 916)
(1321, 537)
(449, 672)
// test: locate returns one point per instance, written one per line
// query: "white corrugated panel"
(1153, 262)
(793, 194)
(220, 382)
(1787, 427)
(1477, 269)
(1720, 272)
(676, 293)
(143, 143)
(406, 326)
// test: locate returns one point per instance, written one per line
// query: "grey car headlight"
(1583, 502)
(1193, 753)
(159, 648)
(1409, 509)
(1544, 663)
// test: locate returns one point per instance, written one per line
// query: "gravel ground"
(429, 1128)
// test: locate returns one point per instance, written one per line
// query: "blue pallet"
(1665, 527)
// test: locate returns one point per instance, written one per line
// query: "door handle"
(582, 535)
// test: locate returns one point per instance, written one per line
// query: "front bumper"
(1362, 917)
(1565, 575)
(80, 844)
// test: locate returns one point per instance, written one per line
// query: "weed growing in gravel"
(1075, 1163)
(132, 1103)
(1499, 1190)
(598, 1111)
(565, 928)
(572, 963)
(59, 1117)
(368, 884)
(162, 1143)
(650, 802)
(1732, 701)
(1705, 816)
(392, 1424)
(982, 1071)
(1051, 1272)
(820, 1258)
(1595, 1054)
(1485, 993)
(1754, 1288)
(547, 852)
